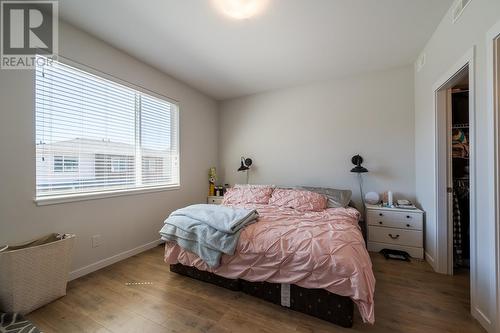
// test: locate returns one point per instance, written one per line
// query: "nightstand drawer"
(392, 219)
(395, 236)
(213, 200)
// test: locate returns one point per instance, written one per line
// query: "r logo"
(28, 28)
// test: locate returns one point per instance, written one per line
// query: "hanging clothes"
(460, 153)
(461, 222)
(457, 231)
(460, 144)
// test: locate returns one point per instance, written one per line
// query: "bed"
(310, 261)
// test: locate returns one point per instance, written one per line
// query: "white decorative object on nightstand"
(396, 229)
(213, 200)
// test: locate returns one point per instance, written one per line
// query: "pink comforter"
(322, 250)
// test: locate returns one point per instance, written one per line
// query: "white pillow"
(336, 198)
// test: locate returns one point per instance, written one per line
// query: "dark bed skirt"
(315, 302)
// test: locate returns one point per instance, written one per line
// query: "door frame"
(443, 254)
(449, 171)
(444, 171)
(493, 113)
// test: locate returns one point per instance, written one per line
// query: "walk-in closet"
(460, 154)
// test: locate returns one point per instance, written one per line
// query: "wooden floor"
(409, 298)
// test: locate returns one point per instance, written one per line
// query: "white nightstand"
(213, 200)
(396, 229)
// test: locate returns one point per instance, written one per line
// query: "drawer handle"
(380, 222)
(394, 237)
(408, 216)
(408, 225)
(380, 214)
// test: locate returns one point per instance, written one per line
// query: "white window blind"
(95, 135)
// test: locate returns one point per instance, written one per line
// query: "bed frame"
(315, 302)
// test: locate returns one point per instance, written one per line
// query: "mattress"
(314, 250)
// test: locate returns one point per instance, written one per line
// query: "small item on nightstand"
(405, 204)
(395, 254)
(372, 198)
(388, 199)
(219, 191)
(384, 199)
(212, 177)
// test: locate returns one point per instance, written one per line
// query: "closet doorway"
(459, 174)
(454, 135)
(455, 172)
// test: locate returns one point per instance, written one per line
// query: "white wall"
(447, 45)
(307, 135)
(124, 222)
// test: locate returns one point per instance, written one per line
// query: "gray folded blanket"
(207, 230)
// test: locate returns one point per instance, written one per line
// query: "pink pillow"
(247, 195)
(298, 199)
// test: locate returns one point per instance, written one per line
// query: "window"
(65, 164)
(120, 164)
(94, 135)
(151, 167)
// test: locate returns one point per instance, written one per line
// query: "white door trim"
(494, 160)
(441, 160)
(449, 176)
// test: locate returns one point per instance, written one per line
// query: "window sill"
(58, 199)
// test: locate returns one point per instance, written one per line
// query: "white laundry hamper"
(34, 273)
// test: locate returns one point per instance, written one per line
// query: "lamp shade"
(242, 167)
(245, 164)
(359, 169)
(357, 160)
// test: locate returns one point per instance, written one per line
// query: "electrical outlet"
(96, 240)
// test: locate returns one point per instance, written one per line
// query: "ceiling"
(291, 42)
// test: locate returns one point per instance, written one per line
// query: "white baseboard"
(483, 319)
(430, 260)
(111, 260)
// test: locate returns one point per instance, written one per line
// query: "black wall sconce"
(246, 163)
(357, 160)
(359, 170)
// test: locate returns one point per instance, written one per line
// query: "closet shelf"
(457, 126)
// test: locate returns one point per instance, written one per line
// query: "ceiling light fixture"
(240, 9)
